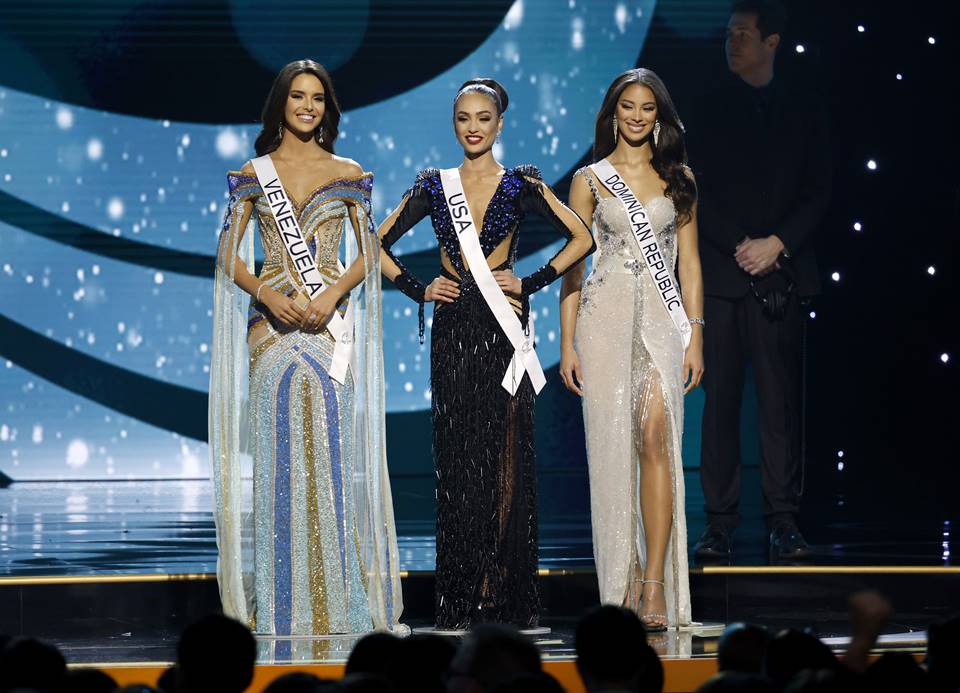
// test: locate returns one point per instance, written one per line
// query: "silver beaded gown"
(631, 356)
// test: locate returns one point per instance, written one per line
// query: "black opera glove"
(539, 279)
(410, 285)
(415, 289)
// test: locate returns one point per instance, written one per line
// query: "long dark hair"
(669, 154)
(272, 116)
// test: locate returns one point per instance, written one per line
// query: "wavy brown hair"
(272, 116)
(669, 155)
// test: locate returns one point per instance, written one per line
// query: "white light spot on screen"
(229, 144)
(576, 35)
(813, 315)
(64, 118)
(65, 207)
(94, 149)
(115, 208)
(944, 358)
(514, 16)
(408, 386)
(158, 278)
(800, 48)
(931, 270)
(4, 433)
(620, 16)
(899, 76)
(931, 40)
(3, 153)
(857, 226)
(835, 276)
(861, 28)
(37, 436)
(839, 466)
(78, 453)
(402, 367)
(839, 453)
(185, 141)
(872, 165)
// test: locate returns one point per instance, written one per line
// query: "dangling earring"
(656, 133)
(320, 135)
(616, 130)
(497, 140)
(280, 132)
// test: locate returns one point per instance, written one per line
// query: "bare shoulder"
(346, 167)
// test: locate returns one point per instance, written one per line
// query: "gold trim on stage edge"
(10, 580)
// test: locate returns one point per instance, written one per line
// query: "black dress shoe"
(787, 543)
(714, 544)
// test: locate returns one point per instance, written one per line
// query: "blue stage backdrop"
(118, 122)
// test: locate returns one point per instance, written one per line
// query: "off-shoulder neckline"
(330, 183)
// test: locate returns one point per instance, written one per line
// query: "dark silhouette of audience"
(613, 654)
(217, 654)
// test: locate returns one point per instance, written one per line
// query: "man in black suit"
(760, 152)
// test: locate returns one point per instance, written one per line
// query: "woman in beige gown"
(622, 351)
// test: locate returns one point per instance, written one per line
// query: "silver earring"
(280, 132)
(616, 130)
(320, 135)
(497, 140)
(656, 133)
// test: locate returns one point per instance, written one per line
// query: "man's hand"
(757, 256)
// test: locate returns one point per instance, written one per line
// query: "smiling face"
(476, 122)
(636, 112)
(305, 105)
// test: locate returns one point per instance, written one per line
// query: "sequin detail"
(632, 361)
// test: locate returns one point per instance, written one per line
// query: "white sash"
(643, 234)
(524, 355)
(304, 263)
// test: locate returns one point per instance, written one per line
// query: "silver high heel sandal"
(654, 623)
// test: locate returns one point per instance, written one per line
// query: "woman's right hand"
(282, 307)
(443, 290)
(570, 370)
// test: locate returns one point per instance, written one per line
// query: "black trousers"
(737, 333)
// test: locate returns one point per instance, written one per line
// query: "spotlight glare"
(872, 165)
(944, 357)
(839, 453)
(839, 466)
(835, 276)
(857, 226)
(931, 270)
(800, 48)
(813, 314)
(899, 76)
(861, 28)
(931, 40)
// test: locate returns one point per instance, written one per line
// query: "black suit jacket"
(762, 161)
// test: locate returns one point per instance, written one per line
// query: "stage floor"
(103, 527)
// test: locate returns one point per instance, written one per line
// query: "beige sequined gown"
(631, 356)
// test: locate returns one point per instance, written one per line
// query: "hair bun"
(490, 83)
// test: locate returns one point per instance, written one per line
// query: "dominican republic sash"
(643, 234)
(524, 355)
(304, 264)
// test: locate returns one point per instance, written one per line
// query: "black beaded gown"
(486, 569)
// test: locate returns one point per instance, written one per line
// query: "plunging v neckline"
(496, 191)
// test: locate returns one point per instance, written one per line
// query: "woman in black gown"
(482, 436)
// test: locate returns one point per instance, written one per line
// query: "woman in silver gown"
(308, 546)
(625, 354)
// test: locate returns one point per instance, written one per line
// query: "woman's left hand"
(693, 363)
(320, 310)
(508, 281)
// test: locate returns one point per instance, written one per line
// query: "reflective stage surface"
(96, 528)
